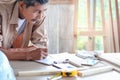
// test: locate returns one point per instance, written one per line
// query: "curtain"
(112, 27)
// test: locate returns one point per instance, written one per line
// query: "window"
(95, 19)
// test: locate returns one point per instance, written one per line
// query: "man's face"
(32, 13)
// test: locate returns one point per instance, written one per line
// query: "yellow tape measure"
(64, 73)
(69, 73)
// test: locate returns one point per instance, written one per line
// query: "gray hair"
(32, 2)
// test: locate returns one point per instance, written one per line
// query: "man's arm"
(37, 51)
(39, 38)
(29, 53)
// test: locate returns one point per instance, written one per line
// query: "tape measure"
(69, 73)
(64, 73)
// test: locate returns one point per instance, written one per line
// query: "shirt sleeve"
(39, 37)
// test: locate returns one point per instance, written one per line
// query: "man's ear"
(21, 5)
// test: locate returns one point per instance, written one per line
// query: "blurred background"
(91, 25)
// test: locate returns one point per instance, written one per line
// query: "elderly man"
(22, 35)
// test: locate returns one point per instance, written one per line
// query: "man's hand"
(29, 53)
(37, 53)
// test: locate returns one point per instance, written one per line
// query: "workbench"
(32, 65)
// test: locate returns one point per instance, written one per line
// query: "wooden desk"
(31, 65)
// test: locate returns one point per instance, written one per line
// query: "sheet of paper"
(54, 58)
(47, 61)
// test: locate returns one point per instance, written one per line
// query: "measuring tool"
(69, 73)
(64, 73)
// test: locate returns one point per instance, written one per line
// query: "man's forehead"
(40, 7)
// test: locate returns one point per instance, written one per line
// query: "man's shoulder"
(6, 5)
(7, 1)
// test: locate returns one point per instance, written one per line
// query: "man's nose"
(40, 16)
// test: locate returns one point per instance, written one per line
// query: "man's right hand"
(37, 53)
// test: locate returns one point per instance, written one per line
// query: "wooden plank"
(52, 26)
(66, 28)
(61, 1)
(91, 39)
(103, 24)
(95, 71)
(93, 26)
(93, 15)
(60, 26)
(111, 25)
(88, 14)
(89, 21)
(92, 33)
(75, 24)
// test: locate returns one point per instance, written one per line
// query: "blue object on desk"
(89, 62)
(6, 72)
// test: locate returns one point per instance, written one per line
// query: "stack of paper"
(62, 58)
